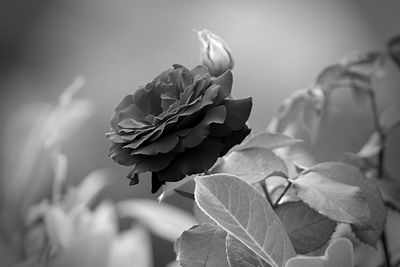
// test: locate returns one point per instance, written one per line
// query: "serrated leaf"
(370, 195)
(202, 245)
(308, 230)
(243, 212)
(201, 216)
(241, 256)
(163, 220)
(372, 147)
(267, 141)
(338, 201)
(390, 118)
(339, 253)
(252, 165)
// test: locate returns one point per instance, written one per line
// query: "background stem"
(381, 164)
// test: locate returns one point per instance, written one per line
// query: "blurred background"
(278, 47)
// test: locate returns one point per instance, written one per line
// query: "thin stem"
(282, 194)
(265, 190)
(381, 158)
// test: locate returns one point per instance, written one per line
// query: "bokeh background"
(278, 47)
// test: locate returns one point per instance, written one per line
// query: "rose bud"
(177, 125)
(214, 53)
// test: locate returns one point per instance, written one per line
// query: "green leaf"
(244, 213)
(339, 253)
(368, 199)
(267, 141)
(308, 230)
(200, 215)
(202, 245)
(241, 256)
(163, 220)
(338, 201)
(252, 165)
(390, 118)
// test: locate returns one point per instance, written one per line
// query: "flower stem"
(381, 164)
(282, 194)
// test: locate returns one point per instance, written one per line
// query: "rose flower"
(177, 125)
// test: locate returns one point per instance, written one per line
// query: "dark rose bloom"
(177, 125)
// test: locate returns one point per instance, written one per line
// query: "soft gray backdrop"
(278, 47)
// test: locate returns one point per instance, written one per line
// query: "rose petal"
(153, 163)
(233, 139)
(199, 70)
(120, 155)
(204, 156)
(225, 82)
(163, 145)
(238, 111)
(200, 131)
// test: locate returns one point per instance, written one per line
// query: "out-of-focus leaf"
(390, 118)
(131, 248)
(60, 166)
(307, 229)
(338, 201)
(202, 245)
(339, 253)
(302, 110)
(355, 70)
(91, 250)
(390, 191)
(59, 228)
(30, 262)
(243, 212)
(267, 141)
(372, 147)
(169, 187)
(364, 164)
(164, 220)
(252, 165)
(394, 49)
(239, 255)
(26, 142)
(173, 264)
(68, 115)
(365, 206)
(87, 190)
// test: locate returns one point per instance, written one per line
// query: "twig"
(282, 194)
(265, 190)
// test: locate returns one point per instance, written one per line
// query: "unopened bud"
(215, 53)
